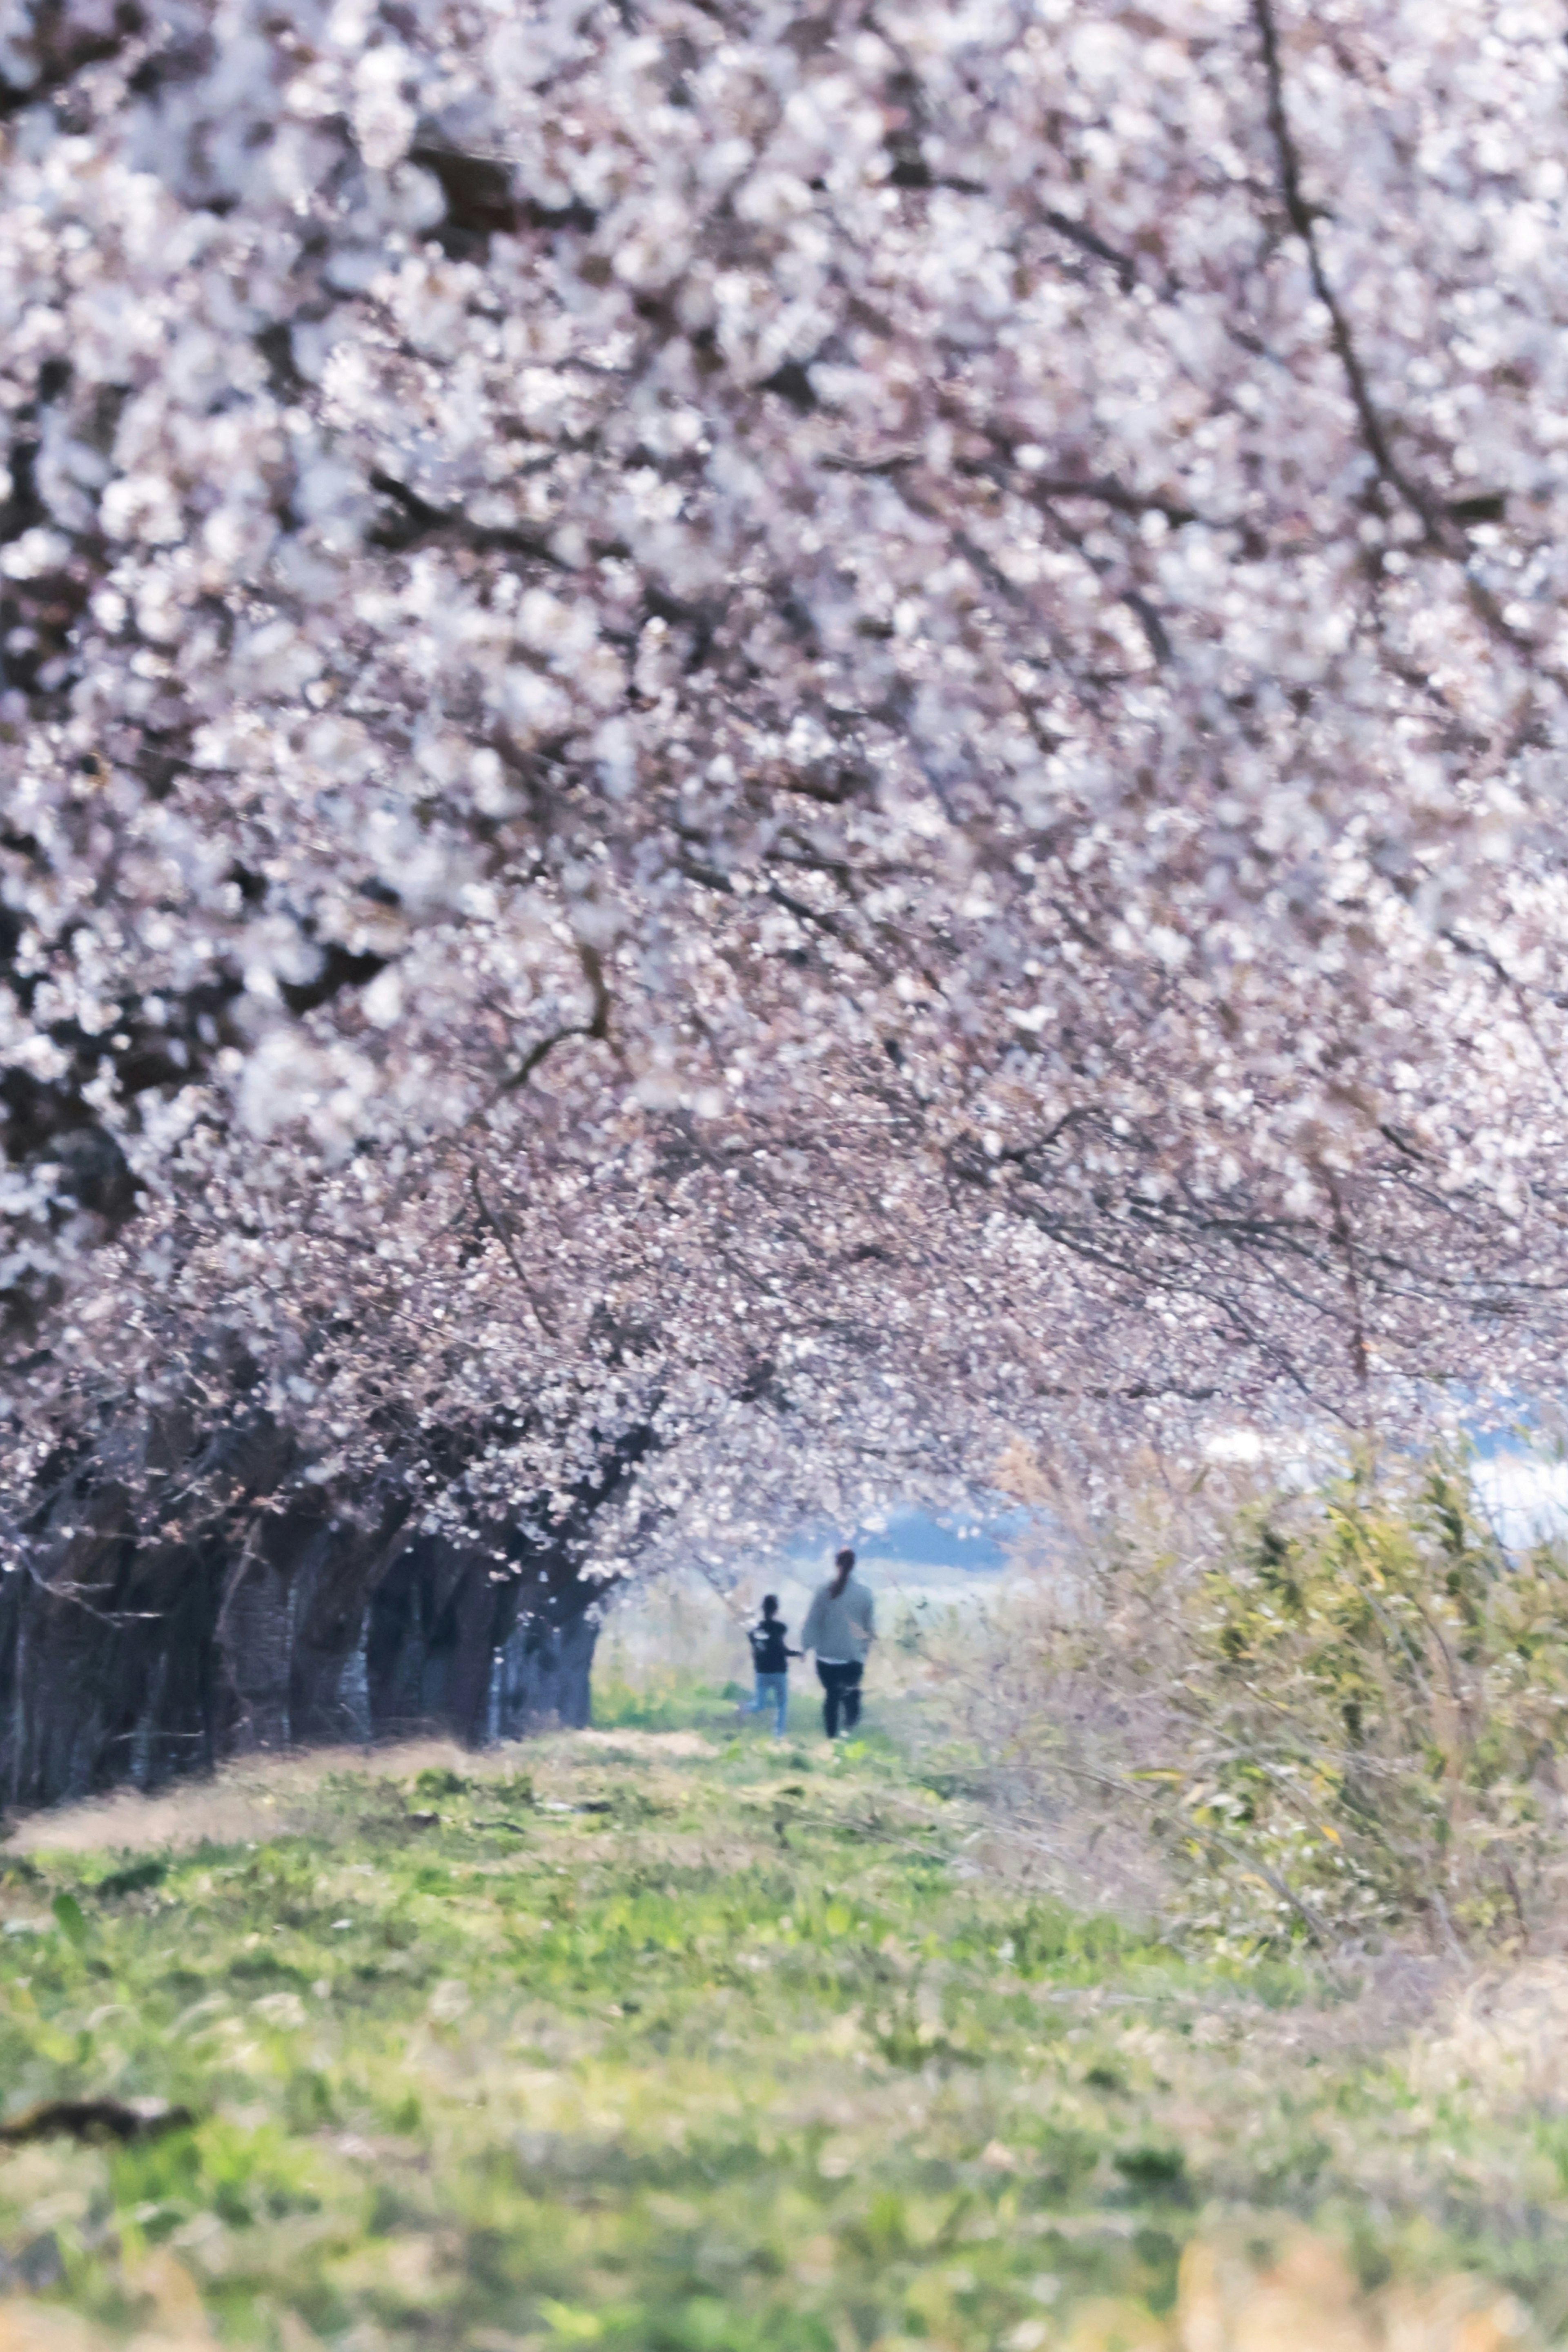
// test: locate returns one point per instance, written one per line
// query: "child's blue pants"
(772, 1690)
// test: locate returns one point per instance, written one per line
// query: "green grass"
(746, 2051)
(669, 1700)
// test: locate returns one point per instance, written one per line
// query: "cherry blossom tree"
(740, 750)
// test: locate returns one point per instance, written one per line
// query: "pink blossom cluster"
(844, 732)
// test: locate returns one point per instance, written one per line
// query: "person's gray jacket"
(841, 1624)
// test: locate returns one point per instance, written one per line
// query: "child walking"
(771, 1658)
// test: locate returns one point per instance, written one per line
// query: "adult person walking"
(841, 1626)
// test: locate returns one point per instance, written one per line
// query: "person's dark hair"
(770, 1604)
(844, 1559)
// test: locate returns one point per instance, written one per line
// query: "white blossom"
(843, 738)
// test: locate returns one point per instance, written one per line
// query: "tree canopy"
(769, 742)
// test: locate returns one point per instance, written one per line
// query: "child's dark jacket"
(767, 1648)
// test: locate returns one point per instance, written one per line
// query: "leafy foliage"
(1377, 1694)
(1270, 1712)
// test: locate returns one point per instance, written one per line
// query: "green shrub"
(1374, 1693)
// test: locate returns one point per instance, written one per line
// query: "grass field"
(676, 2040)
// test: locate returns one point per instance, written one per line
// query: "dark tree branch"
(1303, 220)
(1089, 241)
(417, 520)
(597, 1027)
(1442, 519)
(547, 1322)
(1345, 1242)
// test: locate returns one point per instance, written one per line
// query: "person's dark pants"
(841, 1689)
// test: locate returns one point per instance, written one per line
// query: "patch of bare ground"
(262, 1796)
(676, 1744)
(256, 1797)
(1502, 2039)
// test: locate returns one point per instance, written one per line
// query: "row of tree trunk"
(144, 1635)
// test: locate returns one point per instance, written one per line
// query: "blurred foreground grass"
(673, 2039)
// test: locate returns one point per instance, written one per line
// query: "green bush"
(1374, 1693)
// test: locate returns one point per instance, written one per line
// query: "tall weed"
(1331, 1716)
(1373, 1699)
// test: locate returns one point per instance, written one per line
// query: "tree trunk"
(129, 1657)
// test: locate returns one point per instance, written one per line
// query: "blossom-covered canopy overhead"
(822, 734)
